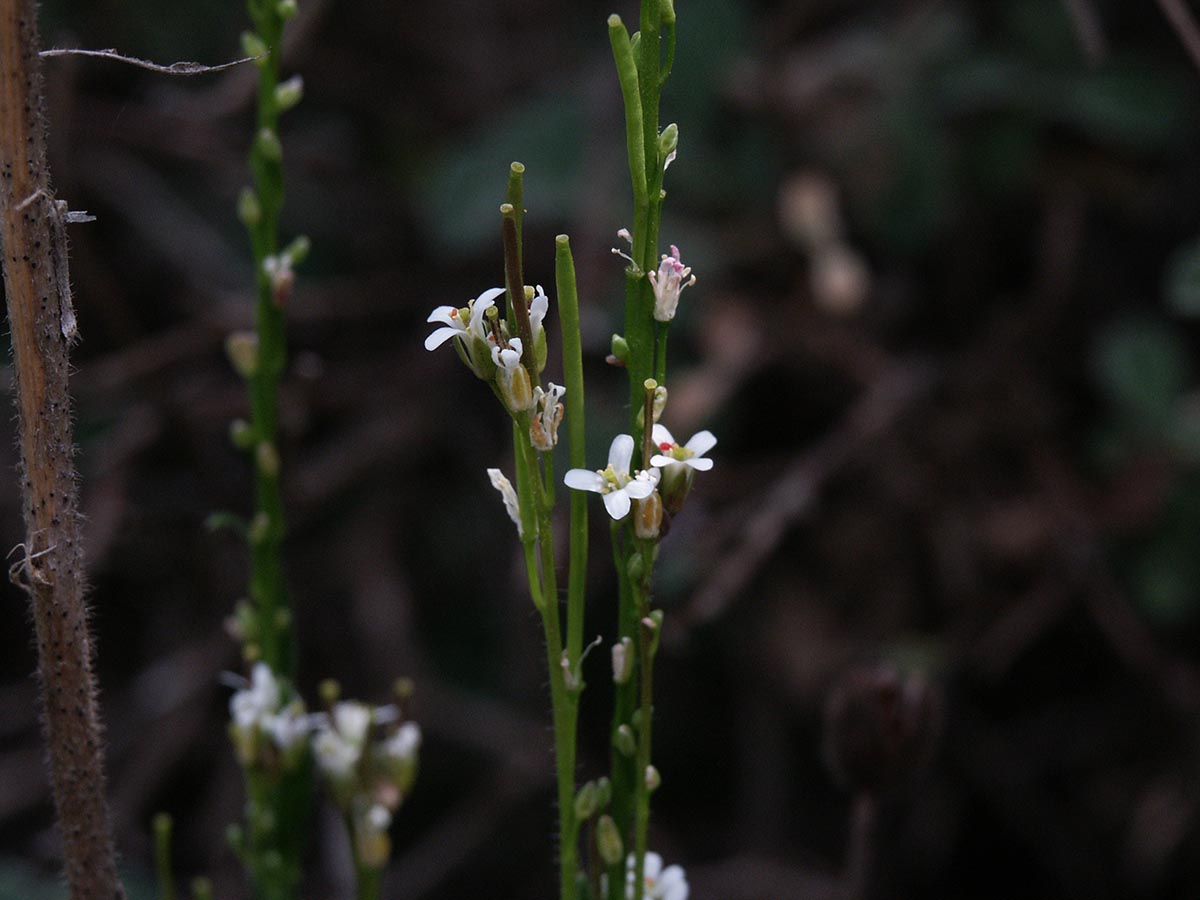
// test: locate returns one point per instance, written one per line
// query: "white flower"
(674, 456)
(404, 744)
(340, 737)
(378, 817)
(256, 702)
(352, 721)
(669, 281)
(465, 323)
(511, 506)
(289, 728)
(661, 884)
(506, 357)
(547, 416)
(538, 307)
(615, 483)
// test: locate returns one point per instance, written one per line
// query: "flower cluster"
(267, 733)
(369, 760)
(489, 345)
(665, 484)
(660, 884)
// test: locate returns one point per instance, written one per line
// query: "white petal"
(440, 337)
(447, 315)
(488, 298)
(661, 435)
(640, 490)
(617, 504)
(699, 463)
(659, 461)
(538, 308)
(621, 453)
(701, 442)
(653, 865)
(585, 480)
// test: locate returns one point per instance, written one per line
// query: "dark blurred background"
(945, 330)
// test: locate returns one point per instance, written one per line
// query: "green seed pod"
(586, 802)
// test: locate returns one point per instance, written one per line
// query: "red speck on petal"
(666, 446)
(454, 313)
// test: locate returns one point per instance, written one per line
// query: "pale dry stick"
(53, 566)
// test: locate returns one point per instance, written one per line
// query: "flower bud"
(297, 251)
(625, 742)
(267, 144)
(266, 457)
(675, 486)
(249, 210)
(253, 46)
(241, 434)
(603, 792)
(620, 349)
(653, 779)
(202, 888)
(585, 802)
(659, 404)
(514, 387)
(668, 141)
(241, 347)
(622, 661)
(286, 9)
(330, 691)
(289, 93)
(608, 841)
(259, 527)
(647, 517)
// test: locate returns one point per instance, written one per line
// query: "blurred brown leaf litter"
(944, 329)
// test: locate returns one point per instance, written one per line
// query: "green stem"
(646, 640)
(162, 856)
(660, 353)
(367, 879)
(572, 352)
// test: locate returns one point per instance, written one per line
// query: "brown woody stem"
(52, 568)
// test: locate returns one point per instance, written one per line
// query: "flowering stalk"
(278, 796)
(535, 492)
(651, 292)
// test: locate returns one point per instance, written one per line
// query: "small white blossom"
(661, 884)
(547, 416)
(255, 703)
(289, 728)
(465, 323)
(538, 307)
(506, 357)
(340, 737)
(511, 506)
(615, 483)
(404, 744)
(674, 457)
(352, 720)
(378, 817)
(669, 281)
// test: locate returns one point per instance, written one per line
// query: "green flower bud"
(267, 144)
(297, 250)
(248, 208)
(585, 802)
(625, 742)
(286, 9)
(668, 141)
(266, 457)
(620, 349)
(241, 434)
(254, 46)
(608, 841)
(241, 348)
(202, 888)
(289, 93)
(260, 525)
(603, 792)
(653, 779)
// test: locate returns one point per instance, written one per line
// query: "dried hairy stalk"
(51, 570)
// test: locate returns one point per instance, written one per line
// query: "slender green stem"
(572, 352)
(660, 353)
(367, 880)
(646, 640)
(162, 856)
